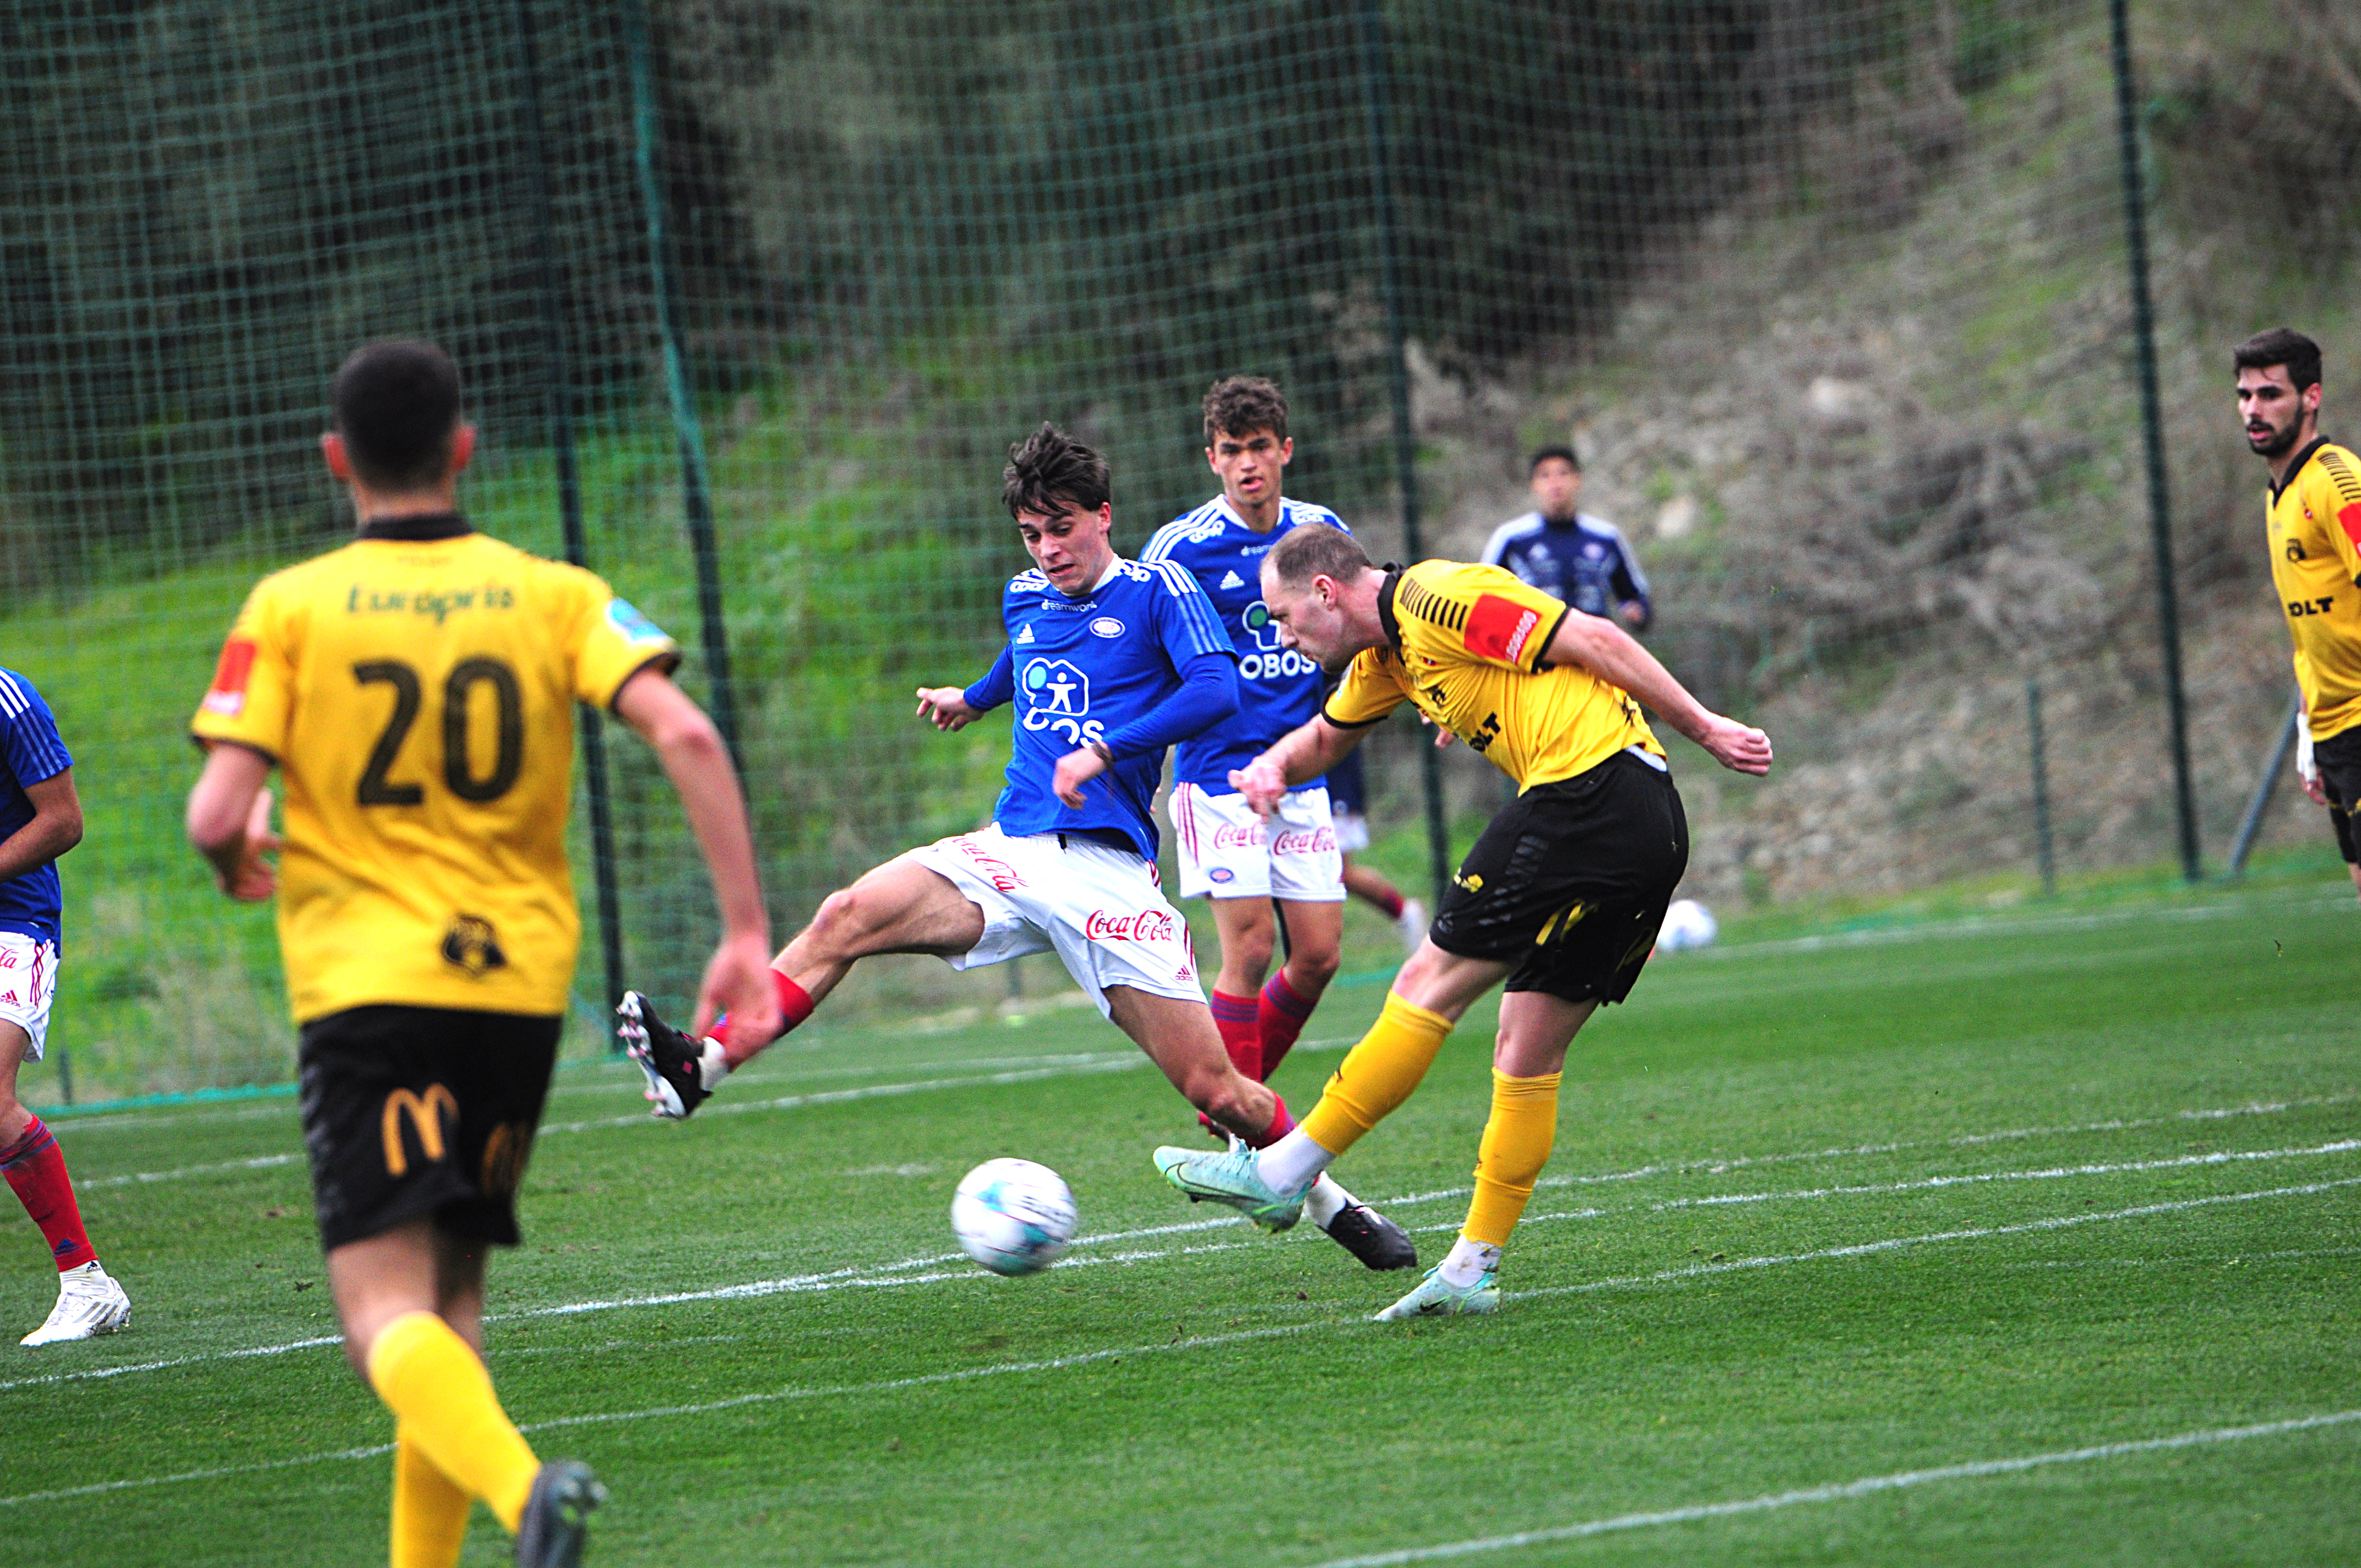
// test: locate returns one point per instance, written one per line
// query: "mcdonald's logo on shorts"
(426, 1114)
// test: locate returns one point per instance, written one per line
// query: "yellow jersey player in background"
(416, 690)
(1561, 896)
(2313, 515)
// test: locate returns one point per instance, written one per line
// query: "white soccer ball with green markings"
(1013, 1216)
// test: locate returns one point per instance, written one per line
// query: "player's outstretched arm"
(953, 707)
(1306, 751)
(229, 822)
(738, 978)
(1608, 651)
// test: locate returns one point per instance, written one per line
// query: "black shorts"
(1570, 882)
(2339, 760)
(411, 1111)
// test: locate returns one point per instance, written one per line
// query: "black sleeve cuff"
(664, 663)
(1540, 651)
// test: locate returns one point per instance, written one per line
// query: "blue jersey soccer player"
(1262, 878)
(1570, 555)
(1108, 662)
(40, 818)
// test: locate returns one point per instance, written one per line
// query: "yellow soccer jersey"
(1466, 644)
(416, 689)
(2315, 528)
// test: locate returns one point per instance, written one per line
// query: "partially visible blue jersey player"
(1108, 663)
(1566, 553)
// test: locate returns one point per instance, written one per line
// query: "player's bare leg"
(901, 907)
(1179, 1036)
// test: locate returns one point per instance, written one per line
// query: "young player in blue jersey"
(1570, 555)
(1108, 662)
(1280, 880)
(40, 818)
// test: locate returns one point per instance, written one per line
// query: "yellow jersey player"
(416, 690)
(2313, 514)
(1561, 896)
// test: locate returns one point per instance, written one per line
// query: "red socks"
(37, 1172)
(1389, 901)
(1239, 1022)
(1281, 1016)
(794, 1005)
(1281, 1123)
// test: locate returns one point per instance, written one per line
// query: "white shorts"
(1227, 851)
(28, 978)
(1352, 832)
(1099, 908)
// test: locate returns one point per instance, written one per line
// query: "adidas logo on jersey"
(1023, 634)
(1232, 580)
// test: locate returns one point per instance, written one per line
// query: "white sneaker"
(1412, 922)
(89, 1303)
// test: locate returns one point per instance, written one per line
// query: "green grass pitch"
(1840, 1233)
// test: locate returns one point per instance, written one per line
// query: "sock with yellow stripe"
(1516, 1145)
(1375, 1076)
(442, 1397)
(430, 1509)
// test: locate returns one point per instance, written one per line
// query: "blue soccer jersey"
(1083, 669)
(1279, 690)
(30, 752)
(1586, 563)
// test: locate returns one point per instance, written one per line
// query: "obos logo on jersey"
(1058, 698)
(1269, 662)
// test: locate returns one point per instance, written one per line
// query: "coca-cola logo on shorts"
(998, 872)
(1231, 836)
(1304, 841)
(1147, 925)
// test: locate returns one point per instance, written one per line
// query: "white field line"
(1843, 1491)
(1207, 1341)
(929, 1270)
(2005, 925)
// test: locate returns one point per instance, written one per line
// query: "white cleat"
(90, 1303)
(1412, 922)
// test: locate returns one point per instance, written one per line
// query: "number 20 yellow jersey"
(1466, 643)
(416, 689)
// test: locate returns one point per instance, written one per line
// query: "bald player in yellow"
(416, 692)
(2314, 513)
(1561, 897)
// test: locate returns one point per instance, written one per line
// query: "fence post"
(697, 495)
(1374, 73)
(2159, 511)
(2045, 846)
(2264, 787)
(557, 401)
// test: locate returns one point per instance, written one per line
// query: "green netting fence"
(751, 296)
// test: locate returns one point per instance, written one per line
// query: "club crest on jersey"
(1106, 626)
(472, 945)
(634, 627)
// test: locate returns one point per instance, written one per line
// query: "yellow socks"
(1376, 1075)
(1516, 1145)
(442, 1397)
(430, 1511)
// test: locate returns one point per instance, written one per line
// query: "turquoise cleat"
(1435, 1298)
(1230, 1177)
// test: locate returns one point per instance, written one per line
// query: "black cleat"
(1378, 1242)
(667, 1057)
(556, 1512)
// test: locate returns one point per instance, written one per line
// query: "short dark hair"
(1546, 453)
(396, 403)
(1240, 405)
(1049, 472)
(1315, 550)
(2281, 346)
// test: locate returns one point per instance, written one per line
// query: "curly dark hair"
(1240, 405)
(1050, 473)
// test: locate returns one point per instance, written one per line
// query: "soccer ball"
(1013, 1216)
(1687, 924)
